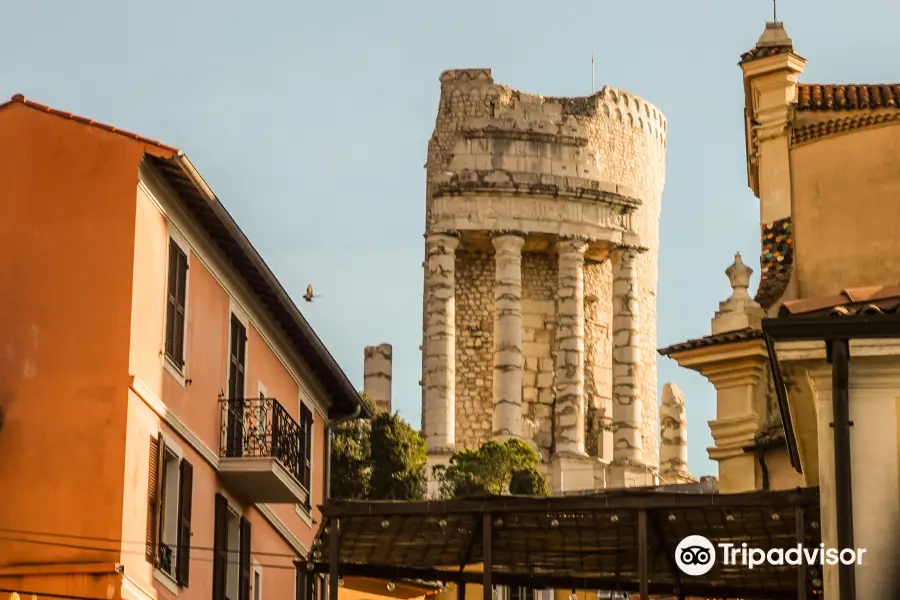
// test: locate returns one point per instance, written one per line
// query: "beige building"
(542, 218)
(824, 161)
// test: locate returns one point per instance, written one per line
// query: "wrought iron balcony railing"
(165, 559)
(262, 428)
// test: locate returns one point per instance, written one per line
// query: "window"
(231, 553)
(170, 488)
(309, 586)
(520, 593)
(306, 435)
(168, 525)
(176, 298)
(236, 366)
(233, 578)
(257, 582)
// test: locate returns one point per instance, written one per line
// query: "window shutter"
(299, 582)
(171, 295)
(180, 307)
(154, 497)
(244, 576)
(185, 494)
(237, 356)
(220, 548)
(307, 453)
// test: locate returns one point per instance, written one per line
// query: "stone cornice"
(732, 435)
(725, 356)
(525, 135)
(881, 373)
(815, 351)
(505, 182)
(813, 132)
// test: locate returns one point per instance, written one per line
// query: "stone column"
(628, 443)
(508, 356)
(570, 349)
(673, 452)
(439, 347)
(377, 375)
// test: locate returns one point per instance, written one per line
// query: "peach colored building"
(163, 404)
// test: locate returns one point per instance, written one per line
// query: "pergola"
(622, 540)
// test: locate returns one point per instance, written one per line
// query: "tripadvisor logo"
(695, 555)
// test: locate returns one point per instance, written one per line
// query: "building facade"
(823, 161)
(539, 321)
(164, 406)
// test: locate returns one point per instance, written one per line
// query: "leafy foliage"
(398, 460)
(491, 469)
(528, 482)
(378, 459)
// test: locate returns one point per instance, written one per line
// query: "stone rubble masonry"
(508, 351)
(673, 425)
(439, 373)
(611, 140)
(570, 423)
(598, 360)
(539, 275)
(627, 400)
(474, 348)
(377, 372)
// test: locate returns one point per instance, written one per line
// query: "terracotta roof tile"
(20, 99)
(729, 337)
(764, 52)
(812, 96)
(875, 300)
(776, 261)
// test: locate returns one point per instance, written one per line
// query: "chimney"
(377, 375)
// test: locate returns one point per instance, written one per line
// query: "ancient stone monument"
(541, 238)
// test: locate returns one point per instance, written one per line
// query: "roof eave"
(345, 398)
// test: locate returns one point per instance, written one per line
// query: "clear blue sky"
(310, 120)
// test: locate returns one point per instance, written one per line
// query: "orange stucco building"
(163, 403)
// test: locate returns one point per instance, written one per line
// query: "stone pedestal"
(435, 459)
(570, 434)
(628, 455)
(508, 355)
(439, 345)
(568, 474)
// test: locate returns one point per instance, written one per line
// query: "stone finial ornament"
(739, 311)
(739, 277)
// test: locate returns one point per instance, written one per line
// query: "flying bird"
(308, 296)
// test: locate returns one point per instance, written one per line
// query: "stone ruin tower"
(541, 238)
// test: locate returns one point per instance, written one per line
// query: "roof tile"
(813, 96)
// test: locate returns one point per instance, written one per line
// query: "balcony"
(261, 452)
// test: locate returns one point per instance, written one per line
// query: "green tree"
(492, 469)
(379, 458)
(398, 460)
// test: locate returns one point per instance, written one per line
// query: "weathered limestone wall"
(610, 137)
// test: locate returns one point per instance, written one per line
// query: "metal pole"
(843, 480)
(643, 562)
(486, 575)
(333, 559)
(800, 523)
